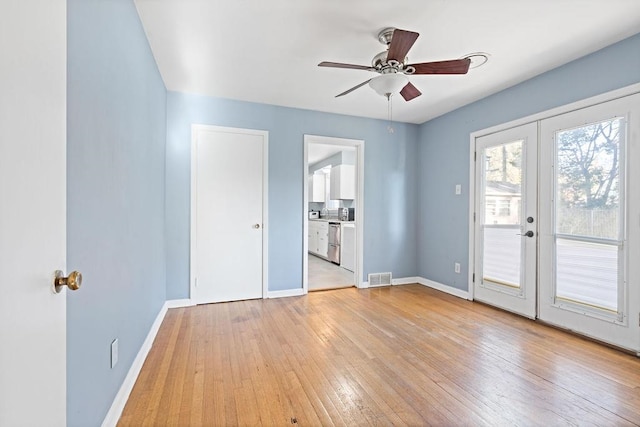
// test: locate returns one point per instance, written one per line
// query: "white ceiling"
(268, 51)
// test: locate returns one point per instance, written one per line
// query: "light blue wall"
(390, 184)
(115, 223)
(444, 148)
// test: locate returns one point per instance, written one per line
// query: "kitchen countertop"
(331, 220)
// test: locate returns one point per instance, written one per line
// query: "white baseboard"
(178, 303)
(394, 282)
(111, 420)
(442, 287)
(286, 293)
(405, 281)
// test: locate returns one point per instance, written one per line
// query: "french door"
(505, 244)
(589, 221)
(557, 226)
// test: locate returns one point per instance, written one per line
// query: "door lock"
(528, 234)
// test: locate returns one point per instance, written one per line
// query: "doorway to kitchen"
(332, 213)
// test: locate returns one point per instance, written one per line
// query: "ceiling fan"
(393, 68)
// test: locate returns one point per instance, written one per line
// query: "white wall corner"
(286, 293)
(113, 416)
(405, 281)
(364, 285)
(178, 303)
(443, 288)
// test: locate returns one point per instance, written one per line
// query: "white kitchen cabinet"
(319, 238)
(343, 182)
(313, 236)
(323, 239)
(317, 191)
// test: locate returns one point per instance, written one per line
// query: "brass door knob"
(73, 282)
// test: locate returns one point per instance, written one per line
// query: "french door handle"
(528, 234)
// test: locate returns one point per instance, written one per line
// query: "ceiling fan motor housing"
(380, 62)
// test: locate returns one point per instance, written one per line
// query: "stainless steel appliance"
(347, 214)
(334, 242)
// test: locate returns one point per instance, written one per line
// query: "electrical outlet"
(114, 353)
(458, 189)
(456, 267)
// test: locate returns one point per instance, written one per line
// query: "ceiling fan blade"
(409, 92)
(353, 88)
(349, 66)
(455, 66)
(401, 42)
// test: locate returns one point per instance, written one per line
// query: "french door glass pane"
(588, 214)
(502, 198)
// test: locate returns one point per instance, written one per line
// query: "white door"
(228, 209)
(32, 212)
(505, 225)
(589, 228)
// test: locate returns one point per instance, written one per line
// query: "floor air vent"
(379, 279)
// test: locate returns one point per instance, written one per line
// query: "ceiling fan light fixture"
(388, 83)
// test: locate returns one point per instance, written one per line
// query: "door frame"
(359, 147)
(195, 131)
(538, 117)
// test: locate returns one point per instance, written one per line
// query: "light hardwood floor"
(324, 275)
(403, 355)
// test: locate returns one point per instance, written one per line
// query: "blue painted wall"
(115, 158)
(390, 184)
(444, 148)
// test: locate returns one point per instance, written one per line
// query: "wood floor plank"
(402, 355)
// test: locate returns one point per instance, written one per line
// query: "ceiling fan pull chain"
(389, 113)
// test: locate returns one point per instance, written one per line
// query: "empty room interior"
(320, 213)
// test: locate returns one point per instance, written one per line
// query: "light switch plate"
(458, 189)
(456, 267)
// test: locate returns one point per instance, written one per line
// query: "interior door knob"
(528, 234)
(256, 226)
(73, 281)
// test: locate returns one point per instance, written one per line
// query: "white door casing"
(359, 202)
(519, 293)
(620, 328)
(228, 214)
(33, 212)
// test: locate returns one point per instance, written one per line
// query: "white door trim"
(359, 146)
(195, 130)
(588, 102)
